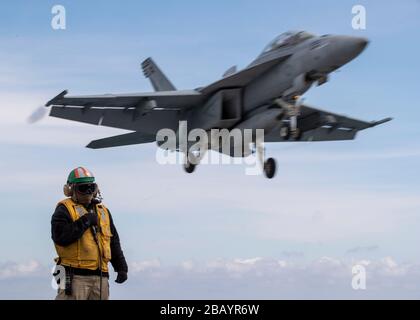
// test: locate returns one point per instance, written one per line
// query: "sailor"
(86, 240)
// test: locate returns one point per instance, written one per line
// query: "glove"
(92, 218)
(122, 277)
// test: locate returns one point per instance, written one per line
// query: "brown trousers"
(86, 288)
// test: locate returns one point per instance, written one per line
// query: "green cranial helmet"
(80, 175)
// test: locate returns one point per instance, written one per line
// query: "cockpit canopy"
(287, 39)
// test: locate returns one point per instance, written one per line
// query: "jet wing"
(335, 120)
(161, 100)
(320, 125)
(243, 77)
(125, 111)
(128, 119)
(319, 134)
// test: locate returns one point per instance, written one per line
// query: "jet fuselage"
(308, 62)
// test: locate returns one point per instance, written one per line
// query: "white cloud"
(270, 266)
(389, 263)
(187, 265)
(243, 278)
(142, 266)
(16, 270)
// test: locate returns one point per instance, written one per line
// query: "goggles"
(86, 188)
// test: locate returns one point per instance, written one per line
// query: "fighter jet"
(264, 95)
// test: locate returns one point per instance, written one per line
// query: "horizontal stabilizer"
(122, 140)
(377, 123)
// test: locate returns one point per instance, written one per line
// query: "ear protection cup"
(95, 193)
(67, 190)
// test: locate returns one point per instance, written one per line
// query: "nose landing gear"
(292, 110)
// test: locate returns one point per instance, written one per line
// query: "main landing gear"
(189, 167)
(269, 166)
(192, 160)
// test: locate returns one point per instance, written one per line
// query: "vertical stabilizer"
(158, 79)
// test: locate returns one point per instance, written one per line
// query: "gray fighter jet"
(264, 95)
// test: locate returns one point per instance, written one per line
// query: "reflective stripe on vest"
(84, 253)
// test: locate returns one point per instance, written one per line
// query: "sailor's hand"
(122, 277)
(92, 218)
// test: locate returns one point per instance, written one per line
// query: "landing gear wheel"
(270, 168)
(189, 167)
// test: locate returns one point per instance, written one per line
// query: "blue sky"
(347, 200)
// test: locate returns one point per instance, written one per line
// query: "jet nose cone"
(356, 45)
(347, 48)
(361, 43)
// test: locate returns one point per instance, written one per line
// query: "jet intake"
(314, 76)
(222, 110)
